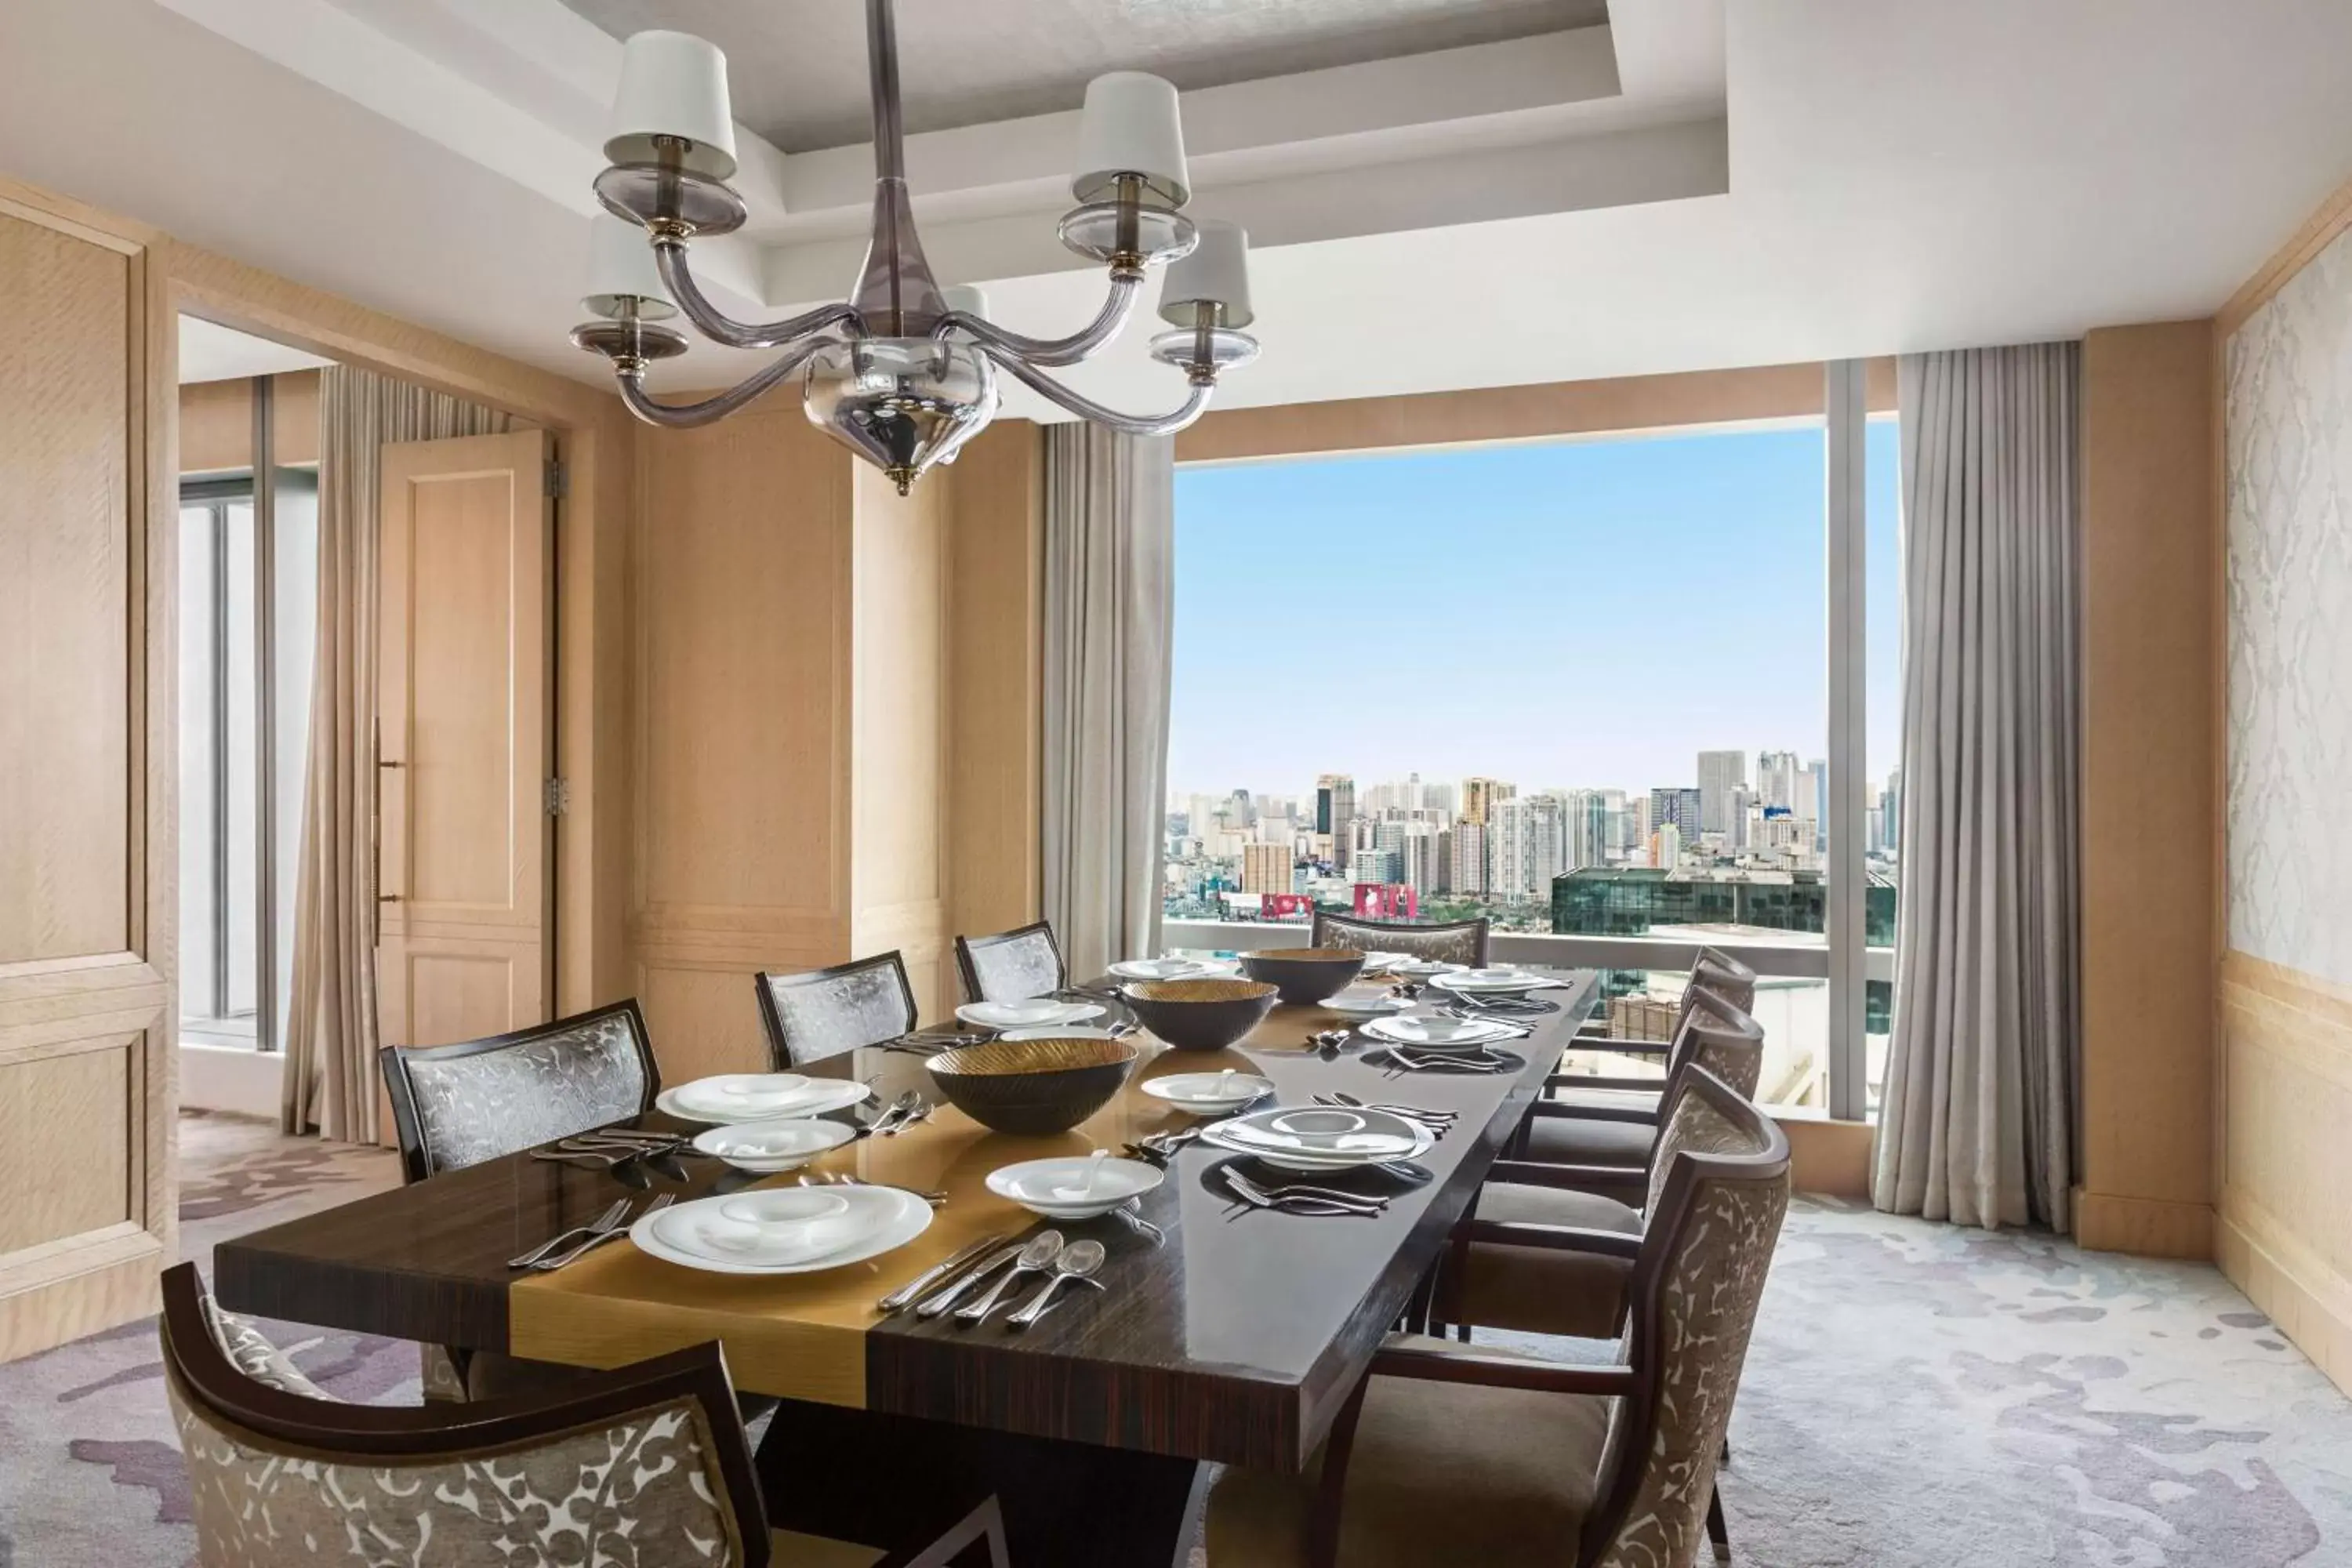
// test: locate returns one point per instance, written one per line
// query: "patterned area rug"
(1918, 1396)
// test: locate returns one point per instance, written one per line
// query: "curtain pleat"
(329, 1082)
(1109, 587)
(1977, 1124)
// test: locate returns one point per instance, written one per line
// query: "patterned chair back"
(826, 1012)
(1721, 1039)
(1454, 941)
(1011, 966)
(648, 1462)
(459, 1105)
(1718, 1197)
(1726, 977)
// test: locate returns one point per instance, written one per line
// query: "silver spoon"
(1038, 1255)
(1077, 1261)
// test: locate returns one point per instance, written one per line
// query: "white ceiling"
(210, 352)
(1694, 186)
(800, 65)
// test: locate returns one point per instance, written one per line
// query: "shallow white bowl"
(1365, 1004)
(1026, 1014)
(771, 1146)
(1047, 1186)
(1209, 1093)
(1061, 1032)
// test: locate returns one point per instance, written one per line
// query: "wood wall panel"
(2149, 635)
(216, 423)
(86, 772)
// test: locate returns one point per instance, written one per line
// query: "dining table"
(1232, 1336)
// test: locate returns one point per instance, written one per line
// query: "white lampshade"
(1130, 126)
(621, 266)
(1217, 269)
(673, 84)
(969, 298)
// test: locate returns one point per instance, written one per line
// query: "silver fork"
(1250, 1193)
(609, 1232)
(609, 1217)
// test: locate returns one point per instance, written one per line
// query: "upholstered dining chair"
(1714, 971)
(1012, 965)
(1450, 942)
(459, 1105)
(1597, 1120)
(644, 1467)
(1455, 1453)
(1506, 1267)
(826, 1012)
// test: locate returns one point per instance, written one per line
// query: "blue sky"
(1584, 613)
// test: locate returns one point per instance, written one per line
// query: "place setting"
(1310, 1160)
(781, 1231)
(728, 1099)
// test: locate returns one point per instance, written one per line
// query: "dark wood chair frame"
(1637, 1383)
(424, 1433)
(1721, 1016)
(965, 945)
(1323, 922)
(416, 1153)
(779, 1049)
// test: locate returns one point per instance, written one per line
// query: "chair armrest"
(1500, 1371)
(1556, 1237)
(1656, 1086)
(1605, 1180)
(1613, 1046)
(1556, 1110)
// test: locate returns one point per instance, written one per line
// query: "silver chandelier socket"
(893, 372)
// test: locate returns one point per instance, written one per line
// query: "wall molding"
(2331, 218)
(2149, 1227)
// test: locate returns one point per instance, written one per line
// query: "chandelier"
(903, 373)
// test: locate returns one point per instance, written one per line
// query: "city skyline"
(1525, 614)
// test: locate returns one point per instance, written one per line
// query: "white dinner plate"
(1030, 1014)
(1062, 1032)
(834, 1094)
(1423, 966)
(1057, 1188)
(890, 1218)
(1440, 1033)
(1493, 982)
(1216, 1135)
(1371, 1004)
(1333, 1133)
(744, 1096)
(782, 1143)
(1164, 968)
(1209, 1093)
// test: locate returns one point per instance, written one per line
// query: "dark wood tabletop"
(1236, 1340)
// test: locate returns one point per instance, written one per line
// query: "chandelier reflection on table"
(903, 372)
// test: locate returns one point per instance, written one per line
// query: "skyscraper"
(1478, 798)
(1335, 813)
(1266, 869)
(1678, 804)
(1780, 779)
(1719, 775)
(1585, 828)
(1529, 851)
(1817, 799)
(1666, 847)
(1470, 850)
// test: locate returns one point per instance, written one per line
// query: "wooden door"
(463, 946)
(87, 535)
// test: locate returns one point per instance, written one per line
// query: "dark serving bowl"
(1305, 975)
(1199, 1015)
(1032, 1087)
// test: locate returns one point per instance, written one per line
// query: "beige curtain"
(1110, 502)
(330, 1074)
(1977, 1125)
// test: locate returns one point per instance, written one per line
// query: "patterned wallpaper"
(2288, 403)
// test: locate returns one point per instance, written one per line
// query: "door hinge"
(558, 796)
(556, 484)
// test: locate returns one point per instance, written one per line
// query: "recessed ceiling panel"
(797, 68)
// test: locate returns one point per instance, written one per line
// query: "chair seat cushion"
(790, 1549)
(1441, 1475)
(1540, 1291)
(1609, 1099)
(1576, 1141)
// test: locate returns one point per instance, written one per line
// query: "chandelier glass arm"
(670, 255)
(1115, 310)
(1196, 400)
(685, 415)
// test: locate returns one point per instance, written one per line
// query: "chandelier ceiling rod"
(903, 372)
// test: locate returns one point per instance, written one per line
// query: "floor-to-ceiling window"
(1579, 688)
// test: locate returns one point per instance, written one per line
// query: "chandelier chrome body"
(904, 371)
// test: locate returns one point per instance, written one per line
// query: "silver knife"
(954, 1293)
(899, 1299)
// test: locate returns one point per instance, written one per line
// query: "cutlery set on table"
(940, 1291)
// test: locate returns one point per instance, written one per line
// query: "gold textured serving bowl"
(1033, 1087)
(1201, 1014)
(1305, 975)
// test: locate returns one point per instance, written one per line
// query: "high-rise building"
(1470, 851)
(1780, 780)
(1720, 774)
(1678, 804)
(1335, 813)
(1376, 865)
(1265, 868)
(1585, 828)
(1527, 848)
(1817, 803)
(1890, 807)
(1666, 847)
(1478, 798)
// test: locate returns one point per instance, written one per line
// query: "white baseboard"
(239, 1080)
